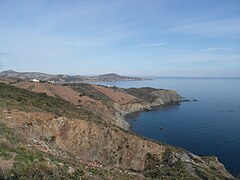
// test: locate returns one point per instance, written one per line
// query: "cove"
(208, 126)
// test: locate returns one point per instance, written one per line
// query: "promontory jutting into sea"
(120, 89)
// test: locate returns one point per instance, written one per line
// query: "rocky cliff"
(114, 102)
(148, 98)
(110, 146)
(49, 137)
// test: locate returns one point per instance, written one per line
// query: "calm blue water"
(210, 126)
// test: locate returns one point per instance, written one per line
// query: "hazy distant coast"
(61, 78)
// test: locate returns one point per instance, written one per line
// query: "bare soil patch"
(55, 90)
(118, 97)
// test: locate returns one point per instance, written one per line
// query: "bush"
(12, 97)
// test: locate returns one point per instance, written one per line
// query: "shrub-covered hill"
(44, 137)
(14, 98)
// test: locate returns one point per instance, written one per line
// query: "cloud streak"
(219, 49)
(154, 44)
(3, 53)
(213, 28)
(74, 35)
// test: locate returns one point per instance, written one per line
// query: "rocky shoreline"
(92, 133)
(161, 98)
(129, 116)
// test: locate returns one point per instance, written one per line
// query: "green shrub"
(15, 98)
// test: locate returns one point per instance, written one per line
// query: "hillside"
(50, 137)
(60, 78)
(7, 80)
(110, 103)
(55, 90)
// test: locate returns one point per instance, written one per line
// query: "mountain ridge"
(64, 78)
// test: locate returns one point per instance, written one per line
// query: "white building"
(35, 80)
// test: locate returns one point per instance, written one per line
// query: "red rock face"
(99, 144)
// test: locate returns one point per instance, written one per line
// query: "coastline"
(100, 142)
(131, 115)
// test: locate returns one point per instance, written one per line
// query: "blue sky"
(130, 37)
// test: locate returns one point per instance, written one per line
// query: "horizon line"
(146, 76)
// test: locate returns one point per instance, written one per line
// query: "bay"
(208, 126)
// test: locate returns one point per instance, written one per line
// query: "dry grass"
(117, 96)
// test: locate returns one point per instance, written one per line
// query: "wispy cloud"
(154, 44)
(219, 49)
(3, 53)
(210, 28)
(71, 36)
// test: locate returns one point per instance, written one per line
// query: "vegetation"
(25, 161)
(30, 163)
(12, 97)
(169, 172)
(90, 91)
(142, 93)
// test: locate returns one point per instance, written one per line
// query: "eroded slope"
(109, 146)
(60, 129)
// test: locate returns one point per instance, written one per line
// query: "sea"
(207, 125)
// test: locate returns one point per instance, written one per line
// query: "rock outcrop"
(94, 134)
(111, 103)
(110, 146)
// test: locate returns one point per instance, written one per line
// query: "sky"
(130, 37)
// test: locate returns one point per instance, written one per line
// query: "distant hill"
(61, 78)
(7, 80)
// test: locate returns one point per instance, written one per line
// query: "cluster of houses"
(39, 81)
